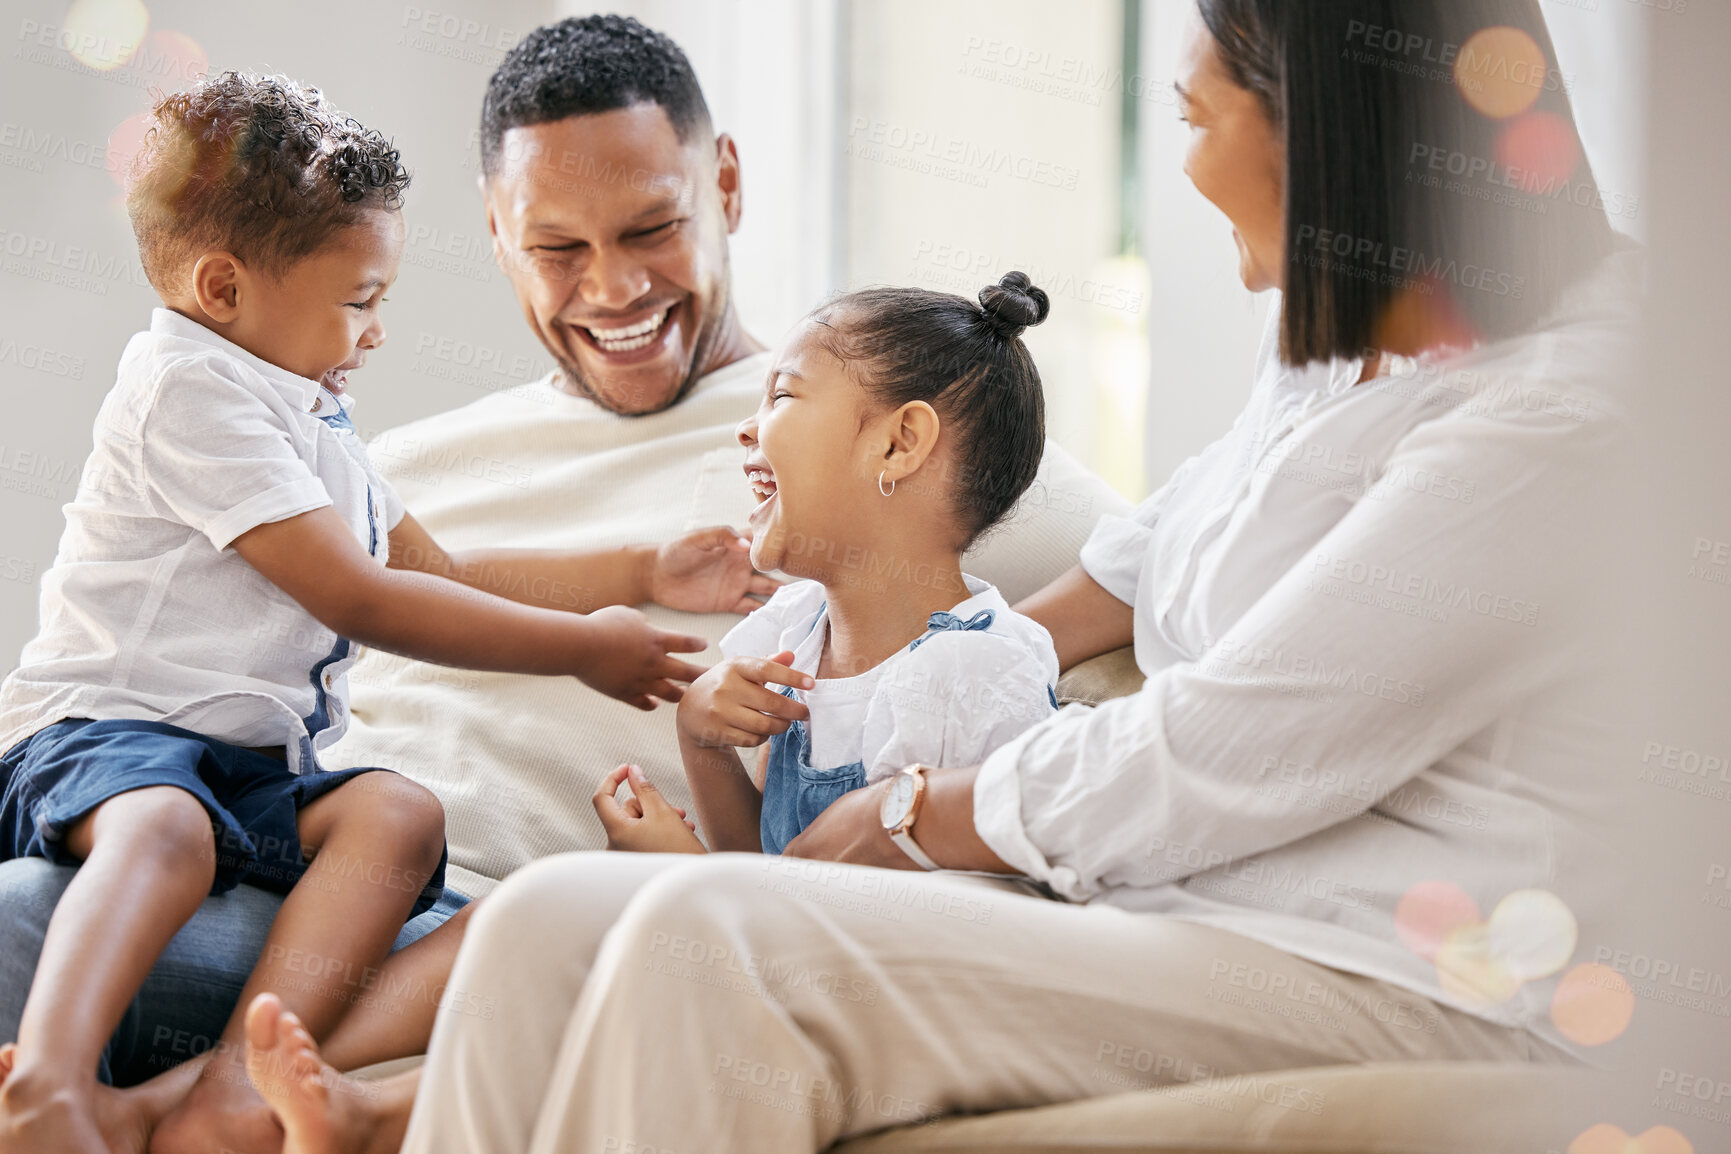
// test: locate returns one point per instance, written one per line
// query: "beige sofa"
(1408, 1108)
(1404, 1108)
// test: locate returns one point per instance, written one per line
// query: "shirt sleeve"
(219, 459)
(956, 698)
(1309, 676)
(759, 633)
(1038, 540)
(1116, 549)
(391, 502)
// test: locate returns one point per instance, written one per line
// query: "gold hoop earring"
(881, 484)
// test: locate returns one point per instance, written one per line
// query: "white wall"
(982, 137)
(1203, 327)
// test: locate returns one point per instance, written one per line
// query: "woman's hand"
(644, 822)
(732, 704)
(851, 831)
(708, 571)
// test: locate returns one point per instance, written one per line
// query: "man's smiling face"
(614, 235)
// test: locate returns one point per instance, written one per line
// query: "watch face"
(897, 800)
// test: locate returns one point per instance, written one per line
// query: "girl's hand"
(624, 656)
(708, 571)
(644, 822)
(732, 704)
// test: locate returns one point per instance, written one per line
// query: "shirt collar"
(808, 649)
(981, 595)
(300, 391)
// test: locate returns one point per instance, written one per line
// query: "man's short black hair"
(584, 65)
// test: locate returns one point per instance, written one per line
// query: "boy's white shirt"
(949, 699)
(147, 613)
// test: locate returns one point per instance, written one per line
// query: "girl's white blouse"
(949, 698)
(1369, 655)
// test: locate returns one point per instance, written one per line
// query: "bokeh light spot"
(1501, 71)
(1532, 934)
(172, 59)
(104, 34)
(1539, 151)
(1428, 912)
(1608, 1139)
(1592, 1005)
(124, 143)
(1467, 969)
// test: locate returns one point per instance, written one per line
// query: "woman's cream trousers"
(663, 1004)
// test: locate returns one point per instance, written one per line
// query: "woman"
(1365, 721)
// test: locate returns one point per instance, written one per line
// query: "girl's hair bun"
(1013, 304)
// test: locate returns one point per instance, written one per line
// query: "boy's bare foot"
(39, 1116)
(320, 1110)
(124, 1118)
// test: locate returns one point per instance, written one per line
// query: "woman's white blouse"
(1361, 619)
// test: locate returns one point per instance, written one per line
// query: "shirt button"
(330, 681)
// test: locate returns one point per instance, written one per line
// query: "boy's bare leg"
(320, 1111)
(395, 1018)
(375, 849)
(149, 857)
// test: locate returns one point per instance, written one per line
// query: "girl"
(896, 427)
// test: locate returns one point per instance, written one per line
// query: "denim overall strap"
(794, 791)
(779, 820)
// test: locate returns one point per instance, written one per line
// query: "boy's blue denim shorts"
(59, 775)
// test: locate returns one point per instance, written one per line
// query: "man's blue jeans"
(189, 996)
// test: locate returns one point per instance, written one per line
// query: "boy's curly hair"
(260, 166)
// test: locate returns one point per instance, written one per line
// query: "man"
(610, 199)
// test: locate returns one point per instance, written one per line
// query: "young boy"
(229, 545)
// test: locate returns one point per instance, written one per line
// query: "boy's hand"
(732, 703)
(625, 657)
(644, 822)
(708, 571)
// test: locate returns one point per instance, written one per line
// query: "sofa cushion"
(1101, 678)
(1389, 1108)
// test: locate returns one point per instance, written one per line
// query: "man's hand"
(708, 571)
(626, 657)
(732, 704)
(643, 822)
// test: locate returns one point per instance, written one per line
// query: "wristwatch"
(900, 808)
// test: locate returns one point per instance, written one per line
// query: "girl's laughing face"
(813, 453)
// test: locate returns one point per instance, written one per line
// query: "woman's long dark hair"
(1429, 174)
